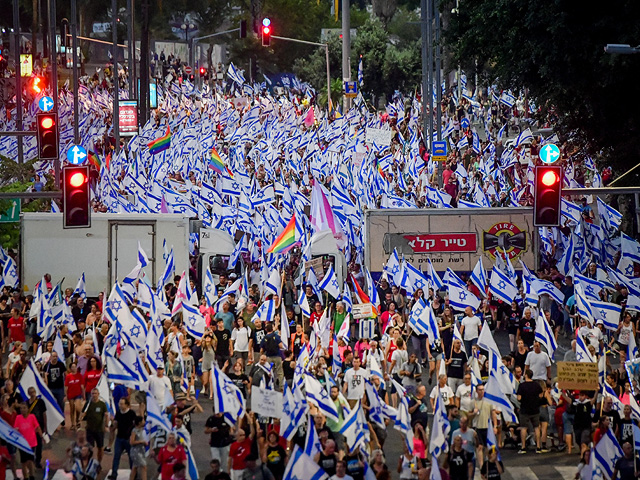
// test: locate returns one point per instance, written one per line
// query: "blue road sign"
(45, 104)
(439, 149)
(350, 88)
(77, 155)
(549, 153)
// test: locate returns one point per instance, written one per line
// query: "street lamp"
(186, 27)
(621, 49)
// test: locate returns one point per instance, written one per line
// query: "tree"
(555, 51)
(313, 68)
(371, 42)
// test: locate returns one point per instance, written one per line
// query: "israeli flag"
(317, 394)
(461, 298)
(605, 454)
(501, 286)
(582, 352)
(440, 429)
(544, 335)
(495, 396)
(143, 260)
(31, 378)
(330, 283)
(303, 303)
(227, 398)
(609, 216)
(302, 467)
(523, 137)
(235, 255)
(293, 413)
(10, 274)
(209, 290)
(312, 444)
(630, 248)
(14, 437)
(193, 320)
(81, 288)
(607, 313)
(479, 276)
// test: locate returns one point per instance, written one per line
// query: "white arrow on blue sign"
(549, 153)
(76, 155)
(45, 104)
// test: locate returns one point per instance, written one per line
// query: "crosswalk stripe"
(522, 473)
(567, 472)
(123, 474)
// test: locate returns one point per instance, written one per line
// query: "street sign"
(188, 69)
(77, 155)
(128, 117)
(549, 153)
(350, 89)
(12, 214)
(45, 104)
(439, 153)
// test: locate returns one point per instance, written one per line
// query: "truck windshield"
(218, 265)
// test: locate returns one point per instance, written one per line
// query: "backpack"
(271, 345)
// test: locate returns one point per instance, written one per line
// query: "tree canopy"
(556, 51)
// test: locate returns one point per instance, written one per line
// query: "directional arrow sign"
(549, 153)
(45, 104)
(76, 155)
(12, 214)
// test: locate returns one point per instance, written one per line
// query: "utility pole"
(74, 59)
(429, 93)
(16, 56)
(346, 49)
(144, 64)
(132, 50)
(425, 81)
(116, 87)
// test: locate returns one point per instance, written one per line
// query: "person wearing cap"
(159, 384)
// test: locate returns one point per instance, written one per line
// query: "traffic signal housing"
(547, 196)
(266, 32)
(76, 199)
(47, 128)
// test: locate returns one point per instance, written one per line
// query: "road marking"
(566, 472)
(522, 473)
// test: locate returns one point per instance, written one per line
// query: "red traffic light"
(266, 30)
(549, 178)
(77, 179)
(202, 70)
(36, 86)
(47, 122)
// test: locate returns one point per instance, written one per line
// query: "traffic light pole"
(16, 53)
(326, 49)
(115, 121)
(53, 65)
(74, 59)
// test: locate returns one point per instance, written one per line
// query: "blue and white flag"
(360, 73)
(81, 288)
(632, 348)
(193, 320)
(10, 273)
(501, 286)
(312, 444)
(227, 398)
(304, 303)
(209, 289)
(605, 454)
(318, 395)
(31, 378)
(609, 216)
(155, 416)
(143, 260)
(636, 438)
(495, 396)
(524, 136)
(235, 74)
(440, 429)
(630, 248)
(582, 352)
(607, 313)
(235, 255)
(355, 428)
(491, 438)
(544, 335)
(14, 437)
(169, 270)
(461, 298)
(302, 467)
(479, 276)
(293, 413)
(372, 291)
(330, 283)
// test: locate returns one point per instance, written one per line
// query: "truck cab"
(216, 247)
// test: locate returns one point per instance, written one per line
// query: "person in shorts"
(95, 415)
(529, 394)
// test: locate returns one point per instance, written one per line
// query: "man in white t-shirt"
(354, 378)
(470, 329)
(445, 392)
(341, 471)
(159, 384)
(464, 395)
(539, 363)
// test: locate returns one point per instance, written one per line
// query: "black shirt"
(239, 381)
(220, 438)
(456, 367)
(626, 468)
(56, 375)
(223, 338)
(275, 460)
(126, 422)
(490, 470)
(38, 408)
(519, 359)
(421, 414)
(459, 464)
(527, 331)
(257, 336)
(529, 393)
(582, 414)
(328, 463)
(626, 431)
(218, 476)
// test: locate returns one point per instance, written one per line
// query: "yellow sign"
(351, 95)
(26, 65)
(439, 158)
(577, 375)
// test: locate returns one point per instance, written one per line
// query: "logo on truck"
(504, 236)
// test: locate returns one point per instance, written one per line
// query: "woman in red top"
(601, 430)
(74, 384)
(316, 315)
(92, 376)
(16, 326)
(169, 455)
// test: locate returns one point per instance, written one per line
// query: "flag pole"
(605, 368)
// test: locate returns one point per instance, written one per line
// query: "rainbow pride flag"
(215, 162)
(286, 239)
(94, 160)
(160, 144)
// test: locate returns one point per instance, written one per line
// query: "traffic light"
(266, 32)
(547, 196)
(203, 71)
(36, 85)
(243, 29)
(76, 200)
(47, 136)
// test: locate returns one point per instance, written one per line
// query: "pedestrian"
(54, 372)
(216, 473)
(139, 441)
(123, 423)
(39, 409)
(86, 467)
(529, 394)
(170, 456)
(28, 426)
(96, 414)
(271, 347)
(240, 450)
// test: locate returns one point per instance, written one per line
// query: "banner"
(267, 403)
(128, 117)
(362, 310)
(379, 136)
(577, 375)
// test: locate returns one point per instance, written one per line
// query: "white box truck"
(105, 252)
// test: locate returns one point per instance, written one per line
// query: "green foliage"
(371, 42)
(555, 50)
(313, 68)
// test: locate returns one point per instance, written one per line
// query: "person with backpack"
(271, 347)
